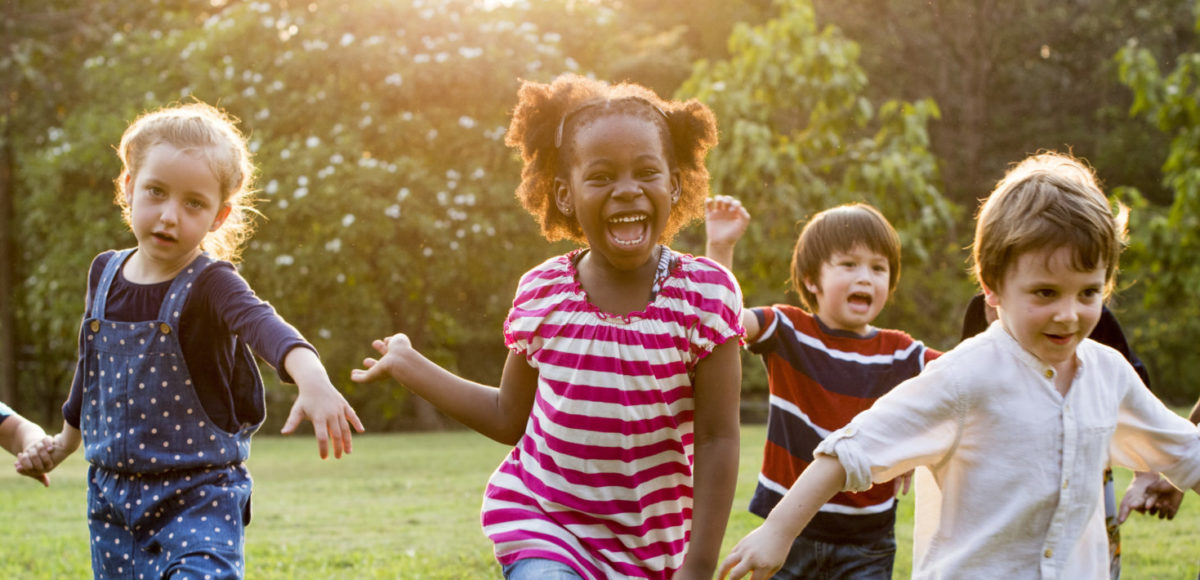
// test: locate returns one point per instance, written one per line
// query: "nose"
(169, 213)
(627, 188)
(1068, 311)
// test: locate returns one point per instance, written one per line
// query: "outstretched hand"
(725, 220)
(320, 402)
(760, 554)
(392, 351)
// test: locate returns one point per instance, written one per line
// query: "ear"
(676, 186)
(562, 197)
(989, 296)
(221, 215)
(811, 286)
(127, 189)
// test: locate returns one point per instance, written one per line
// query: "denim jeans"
(810, 559)
(540, 569)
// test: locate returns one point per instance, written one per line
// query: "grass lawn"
(407, 506)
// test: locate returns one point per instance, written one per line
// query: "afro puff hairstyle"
(548, 115)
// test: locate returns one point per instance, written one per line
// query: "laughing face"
(1048, 306)
(852, 289)
(621, 189)
(174, 202)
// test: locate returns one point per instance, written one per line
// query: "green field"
(407, 506)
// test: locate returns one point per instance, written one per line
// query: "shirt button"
(1048, 553)
(165, 328)
(95, 326)
(1065, 484)
(1049, 373)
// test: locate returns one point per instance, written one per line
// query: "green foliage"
(1164, 252)
(799, 136)
(385, 184)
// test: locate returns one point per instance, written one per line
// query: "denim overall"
(168, 494)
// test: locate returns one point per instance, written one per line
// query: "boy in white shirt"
(1013, 423)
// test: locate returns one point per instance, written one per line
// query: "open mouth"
(629, 229)
(164, 237)
(860, 301)
(1059, 339)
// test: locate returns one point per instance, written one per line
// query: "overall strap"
(100, 300)
(181, 286)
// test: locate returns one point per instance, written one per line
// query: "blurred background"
(387, 191)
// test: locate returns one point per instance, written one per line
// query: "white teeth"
(627, 219)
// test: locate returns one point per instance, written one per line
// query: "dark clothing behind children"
(221, 303)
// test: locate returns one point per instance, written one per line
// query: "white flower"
(347, 220)
(403, 194)
(324, 333)
(427, 251)
(466, 122)
(272, 187)
(300, 192)
(312, 141)
(394, 79)
(284, 260)
(347, 39)
(334, 245)
(302, 180)
(392, 211)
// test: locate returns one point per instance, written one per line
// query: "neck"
(139, 269)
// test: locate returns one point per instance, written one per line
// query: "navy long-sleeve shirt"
(221, 303)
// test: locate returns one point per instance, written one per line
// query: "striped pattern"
(819, 380)
(602, 478)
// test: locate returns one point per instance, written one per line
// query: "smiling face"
(852, 289)
(175, 201)
(620, 188)
(1048, 305)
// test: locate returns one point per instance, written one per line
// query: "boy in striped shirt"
(825, 365)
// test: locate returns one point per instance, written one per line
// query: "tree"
(1167, 242)
(799, 135)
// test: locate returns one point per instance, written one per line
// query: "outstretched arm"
(320, 402)
(762, 552)
(499, 413)
(717, 435)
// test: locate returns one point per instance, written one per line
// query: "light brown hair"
(1048, 201)
(203, 130)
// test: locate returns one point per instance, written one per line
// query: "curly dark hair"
(548, 115)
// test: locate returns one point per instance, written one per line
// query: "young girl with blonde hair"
(166, 392)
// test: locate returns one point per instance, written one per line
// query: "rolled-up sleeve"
(917, 423)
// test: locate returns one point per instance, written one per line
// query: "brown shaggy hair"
(840, 229)
(546, 113)
(1048, 201)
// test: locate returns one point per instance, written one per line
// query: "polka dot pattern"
(169, 525)
(162, 474)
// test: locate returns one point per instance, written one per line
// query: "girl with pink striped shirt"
(620, 392)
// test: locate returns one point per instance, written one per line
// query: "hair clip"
(558, 134)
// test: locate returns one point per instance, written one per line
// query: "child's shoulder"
(703, 270)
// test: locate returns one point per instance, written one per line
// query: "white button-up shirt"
(1016, 465)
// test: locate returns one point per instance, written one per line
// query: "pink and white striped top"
(602, 478)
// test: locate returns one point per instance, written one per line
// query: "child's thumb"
(293, 420)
